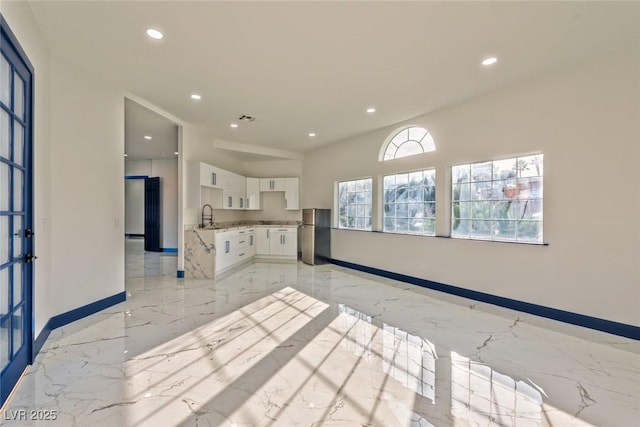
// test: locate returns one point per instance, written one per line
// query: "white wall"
(585, 121)
(134, 206)
(21, 21)
(87, 189)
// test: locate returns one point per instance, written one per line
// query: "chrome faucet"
(209, 217)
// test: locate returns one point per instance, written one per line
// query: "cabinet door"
(253, 194)
(211, 176)
(290, 243)
(262, 241)
(276, 241)
(292, 193)
(271, 184)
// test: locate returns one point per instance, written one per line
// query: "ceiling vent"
(246, 118)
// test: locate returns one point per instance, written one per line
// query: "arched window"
(405, 142)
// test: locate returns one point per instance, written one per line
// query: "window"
(407, 142)
(354, 204)
(410, 202)
(498, 200)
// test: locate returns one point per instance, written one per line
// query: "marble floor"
(274, 344)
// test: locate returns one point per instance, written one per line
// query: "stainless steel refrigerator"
(316, 236)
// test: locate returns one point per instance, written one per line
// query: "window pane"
(504, 189)
(5, 134)
(18, 143)
(18, 96)
(530, 166)
(4, 341)
(504, 210)
(415, 179)
(463, 210)
(460, 228)
(389, 224)
(461, 192)
(4, 186)
(460, 174)
(4, 292)
(481, 190)
(409, 148)
(430, 227)
(530, 231)
(481, 229)
(504, 230)
(402, 225)
(17, 232)
(390, 210)
(401, 137)
(429, 194)
(17, 330)
(17, 283)
(401, 210)
(529, 209)
(481, 210)
(417, 133)
(18, 187)
(416, 226)
(503, 169)
(415, 195)
(5, 85)
(389, 181)
(429, 177)
(481, 171)
(430, 210)
(4, 238)
(401, 195)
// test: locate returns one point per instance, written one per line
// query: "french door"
(16, 224)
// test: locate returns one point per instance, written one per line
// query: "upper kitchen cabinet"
(272, 184)
(234, 191)
(203, 177)
(292, 194)
(252, 194)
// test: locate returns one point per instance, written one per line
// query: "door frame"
(13, 373)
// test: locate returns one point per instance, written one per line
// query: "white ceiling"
(140, 122)
(316, 66)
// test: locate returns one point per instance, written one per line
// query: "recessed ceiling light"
(147, 137)
(234, 125)
(154, 34)
(176, 153)
(196, 97)
(490, 61)
(371, 110)
(311, 134)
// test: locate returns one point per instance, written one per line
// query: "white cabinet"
(234, 247)
(271, 184)
(277, 242)
(292, 193)
(283, 242)
(252, 194)
(234, 191)
(262, 241)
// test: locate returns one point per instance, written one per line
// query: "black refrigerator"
(316, 236)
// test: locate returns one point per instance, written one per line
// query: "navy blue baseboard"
(42, 337)
(180, 274)
(608, 326)
(170, 250)
(86, 310)
(73, 315)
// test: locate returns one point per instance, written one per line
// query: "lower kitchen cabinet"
(234, 247)
(277, 242)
